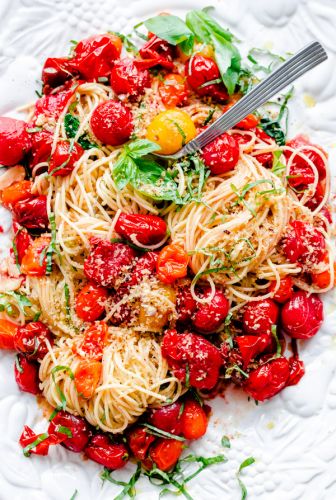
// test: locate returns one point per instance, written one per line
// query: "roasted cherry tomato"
(251, 346)
(28, 436)
(26, 374)
(202, 358)
(165, 453)
(171, 130)
(221, 155)
(317, 197)
(79, 428)
(322, 280)
(52, 105)
(18, 191)
(266, 159)
(302, 315)
(56, 71)
(201, 73)
(267, 380)
(259, 317)
(31, 263)
(302, 144)
(186, 305)
(101, 450)
(8, 330)
(107, 262)
(15, 141)
(94, 56)
(296, 370)
(172, 263)
(62, 161)
(127, 78)
(208, 317)
(145, 229)
(32, 214)
(145, 267)
(194, 420)
(30, 339)
(90, 302)
(94, 341)
(41, 147)
(247, 123)
(139, 441)
(303, 243)
(156, 52)
(112, 123)
(285, 290)
(87, 377)
(167, 418)
(173, 90)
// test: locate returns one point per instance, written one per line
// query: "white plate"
(292, 437)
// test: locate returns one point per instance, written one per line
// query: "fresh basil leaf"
(228, 60)
(154, 181)
(73, 496)
(124, 171)
(141, 147)
(225, 442)
(202, 24)
(71, 124)
(274, 130)
(169, 28)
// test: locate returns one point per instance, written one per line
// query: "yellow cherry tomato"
(205, 50)
(171, 130)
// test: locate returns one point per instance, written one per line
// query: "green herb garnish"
(243, 465)
(71, 124)
(38, 440)
(160, 433)
(60, 393)
(225, 442)
(128, 488)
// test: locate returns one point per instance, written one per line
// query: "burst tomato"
(172, 263)
(208, 317)
(296, 370)
(62, 161)
(87, 377)
(79, 428)
(302, 315)
(173, 90)
(145, 229)
(185, 304)
(8, 330)
(30, 339)
(32, 213)
(112, 123)
(56, 71)
(41, 147)
(303, 243)
(94, 341)
(285, 290)
(90, 302)
(139, 441)
(165, 453)
(15, 141)
(194, 420)
(259, 317)
(167, 418)
(18, 191)
(299, 163)
(251, 345)
(171, 130)
(204, 77)
(52, 105)
(221, 155)
(32, 263)
(101, 450)
(267, 380)
(28, 436)
(26, 374)
(156, 52)
(127, 78)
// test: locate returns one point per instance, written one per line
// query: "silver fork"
(303, 61)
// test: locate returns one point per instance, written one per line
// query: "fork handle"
(304, 60)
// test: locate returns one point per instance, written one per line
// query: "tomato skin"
(78, 426)
(90, 302)
(208, 317)
(267, 380)
(186, 305)
(194, 420)
(127, 78)
(156, 52)
(28, 436)
(94, 56)
(165, 453)
(147, 229)
(304, 244)
(285, 290)
(259, 317)
(266, 159)
(94, 341)
(249, 122)
(172, 263)
(55, 72)
(22, 241)
(28, 379)
(144, 267)
(251, 345)
(32, 213)
(302, 315)
(87, 377)
(322, 280)
(301, 164)
(173, 90)
(30, 339)
(296, 370)
(30, 263)
(15, 141)
(139, 441)
(61, 156)
(171, 129)
(52, 105)
(221, 155)
(112, 123)
(200, 70)
(101, 450)
(107, 262)
(167, 418)
(7, 332)
(317, 197)
(16, 192)
(41, 147)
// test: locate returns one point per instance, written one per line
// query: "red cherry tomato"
(322, 280)
(8, 330)
(52, 105)
(90, 302)
(249, 122)
(317, 197)
(165, 453)
(146, 229)
(145, 267)
(30, 339)
(300, 176)
(78, 427)
(32, 214)
(194, 420)
(21, 241)
(172, 263)
(251, 346)
(56, 71)
(266, 159)
(303, 243)
(94, 56)
(94, 341)
(302, 315)
(156, 52)
(267, 380)
(221, 155)
(203, 359)
(31, 263)
(167, 418)
(15, 141)
(173, 90)
(285, 290)
(87, 377)
(185, 304)
(62, 161)
(300, 163)
(127, 78)
(26, 374)
(101, 450)
(200, 71)
(139, 441)
(17, 192)
(208, 317)
(41, 147)
(107, 262)
(296, 370)
(28, 436)
(260, 316)
(112, 123)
